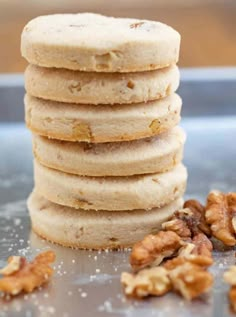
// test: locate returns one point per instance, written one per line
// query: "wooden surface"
(208, 28)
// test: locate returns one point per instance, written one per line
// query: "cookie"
(95, 229)
(149, 155)
(100, 88)
(103, 123)
(92, 42)
(110, 193)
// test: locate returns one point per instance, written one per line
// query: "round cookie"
(95, 229)
(110, 193)
(145, 156)
(100, 88)
(103, 123)
(92, 42)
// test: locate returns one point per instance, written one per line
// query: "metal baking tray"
(87, 283)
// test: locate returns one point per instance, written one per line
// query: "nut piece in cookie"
(28, 275)
(220, 210)
(153, 249)
(152, 281)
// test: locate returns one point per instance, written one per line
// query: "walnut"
(173, 263)
(190, 280)
(199, 260)
(152, 281)
(154, 248)
(232, 297)
(198, 251)
(220, 210)
(184, 222)
(187, 223)
(14, 263)
(186, 250)
(189, 276)
(230, 275)
(178, 223)
(230, 278)
(231, 197)
(203, 246)
(198, 211)
(29, 275)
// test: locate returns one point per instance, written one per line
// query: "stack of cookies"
(102, 107)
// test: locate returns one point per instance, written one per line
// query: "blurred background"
(208, 27)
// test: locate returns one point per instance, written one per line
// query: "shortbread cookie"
(95, 229)
(92, 42)
(103, 123)
(110, 193)
(100, 88)
(150, 155)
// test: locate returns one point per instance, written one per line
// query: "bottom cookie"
(95, 229)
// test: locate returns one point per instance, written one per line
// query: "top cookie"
(92, 42)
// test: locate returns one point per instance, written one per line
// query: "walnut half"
(153, 249)
(29, 275)
(220, 211)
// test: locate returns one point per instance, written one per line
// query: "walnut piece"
(194, 259)
(203, 246)
(220, 210)
(190, 280)
(178, 223)
(152, 281)
(29, 275)
(14, 263)
(230, 278)
(198, 211)
(232, 297)
(153, 249)
(184, 276)
(231, 197)
(230, 275)
(185, 222)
